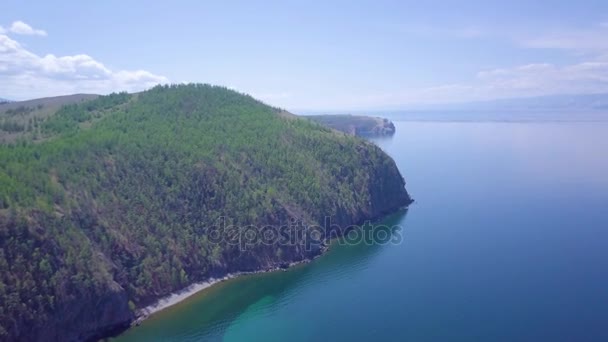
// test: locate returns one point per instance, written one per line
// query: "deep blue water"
(507, 241)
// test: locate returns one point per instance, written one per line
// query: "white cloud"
(544, 79)
(588, 75)
(19, 27)
(583, 39)
(2, 30)
(26, 75)
(539, 79)
(528, 80)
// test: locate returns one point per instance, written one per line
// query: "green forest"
(115, 195)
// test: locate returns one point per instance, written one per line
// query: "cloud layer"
(529, 80)
(590, 39)
(587, 76)
(26, 75)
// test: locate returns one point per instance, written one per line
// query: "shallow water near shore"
(506, 242)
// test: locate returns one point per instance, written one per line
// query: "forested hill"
(108, 204)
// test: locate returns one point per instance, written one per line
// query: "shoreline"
(195, 288)
(179, 296)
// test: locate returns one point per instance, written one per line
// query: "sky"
(308, 55)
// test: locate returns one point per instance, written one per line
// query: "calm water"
(508, 241)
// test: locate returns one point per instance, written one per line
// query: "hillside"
(114, 202)
(359, 125)
(22, 119)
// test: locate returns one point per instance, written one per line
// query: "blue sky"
(308, 55)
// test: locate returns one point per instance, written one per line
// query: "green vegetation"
(117, 194)
(11, 126)
(23, 120)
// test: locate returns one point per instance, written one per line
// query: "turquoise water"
(507, 241)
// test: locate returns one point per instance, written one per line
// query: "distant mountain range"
(2, 100)
(569, 102)
(568, 107)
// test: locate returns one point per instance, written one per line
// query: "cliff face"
(131, 199)
(86, 319)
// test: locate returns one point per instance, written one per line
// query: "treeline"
(68, 118)
(21, 110)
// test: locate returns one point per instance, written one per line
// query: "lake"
(507, 241)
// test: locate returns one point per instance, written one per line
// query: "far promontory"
(359, 125)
